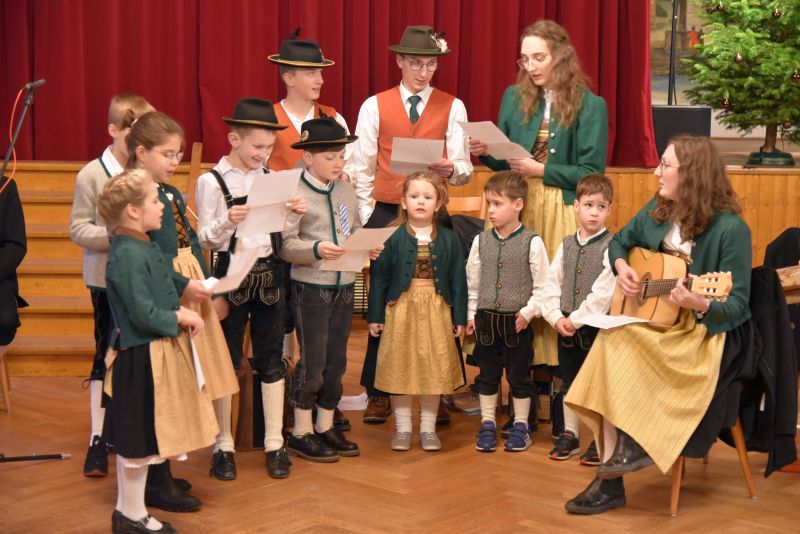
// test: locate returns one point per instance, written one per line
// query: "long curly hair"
(703, 187)
(568, 79)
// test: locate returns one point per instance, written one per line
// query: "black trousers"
(267, 321)
(498, 346)
(382, 216)
(103, 325)
(572, 353)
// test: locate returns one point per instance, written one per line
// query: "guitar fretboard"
(658, 288)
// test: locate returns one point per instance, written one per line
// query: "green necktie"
(413, 114)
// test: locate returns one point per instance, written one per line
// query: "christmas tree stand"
(769, 159)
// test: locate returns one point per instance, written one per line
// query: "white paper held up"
(357, 248)
(499, 146)
(267, 201)
(414, 155)
(241, 263)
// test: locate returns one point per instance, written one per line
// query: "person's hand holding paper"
(497, 145)
(267, 201)
(363, 245)
(415, 155)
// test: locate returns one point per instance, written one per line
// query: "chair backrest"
(467, 205)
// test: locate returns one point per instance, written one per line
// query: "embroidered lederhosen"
(266, 278)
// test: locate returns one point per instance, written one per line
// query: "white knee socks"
(571, 420)
(522, 408)
(324, 420)
(131, 482)
(222, 409)
(428, 406)
(97, 411)
(272, 398)
(488, 407)
(609, 439)
(401, 405)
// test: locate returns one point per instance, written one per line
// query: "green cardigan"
(724, 246)
(167, 236)
(142, 293)
(574, 152)
(392, 272)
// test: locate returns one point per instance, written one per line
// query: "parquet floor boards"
(454, 490)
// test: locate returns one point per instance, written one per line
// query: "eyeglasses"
(171, 156)
(523, 62)
(416, 66)
(663, 164)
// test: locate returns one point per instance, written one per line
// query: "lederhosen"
(260, 298)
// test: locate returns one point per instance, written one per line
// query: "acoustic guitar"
(659, 274)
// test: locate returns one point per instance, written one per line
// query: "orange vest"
(283, 155)
(394, 122)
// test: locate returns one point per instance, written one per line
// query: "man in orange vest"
(411, 109)
(301, 63)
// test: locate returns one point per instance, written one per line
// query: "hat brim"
(257, 124)
(276, 58)
(336, 142)
(418, 51)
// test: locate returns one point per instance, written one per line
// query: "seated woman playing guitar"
(651, 394)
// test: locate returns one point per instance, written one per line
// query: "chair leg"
(5, 382)
(738, 439)
(677, 475)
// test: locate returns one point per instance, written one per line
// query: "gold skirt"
(656, 386)
(548, 216)
(210, 342)
(418, 354)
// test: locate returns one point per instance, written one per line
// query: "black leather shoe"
(163, 492)
(340, 422)
(311, 447)
(278, 463)
(115, 521)
(223, 467)
(600, 496)
(334, 439)
(96, 463)
(628, 457)
(182, 483)
(129, 526)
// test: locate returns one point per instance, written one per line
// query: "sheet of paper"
(499, 146)
(414, 155)
(352, 403)
(241, 263)
(267, 200)
(357, 249)
(610, 321)
(198, 369)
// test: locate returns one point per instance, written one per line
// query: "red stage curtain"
(194, 58)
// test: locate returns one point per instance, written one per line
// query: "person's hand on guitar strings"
(687, 299)
(627, 279)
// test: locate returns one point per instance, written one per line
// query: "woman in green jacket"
(551, 112)
(651, 394)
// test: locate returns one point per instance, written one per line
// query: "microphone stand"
(28, 102)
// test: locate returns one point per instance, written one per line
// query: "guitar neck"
(663, 286)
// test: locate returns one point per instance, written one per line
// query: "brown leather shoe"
(378, 410)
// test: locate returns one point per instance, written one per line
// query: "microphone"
(30, 86)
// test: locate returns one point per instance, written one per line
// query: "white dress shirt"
(364, 157)
(111, 164)
(214, 229)
(537, 259)
(597, 301)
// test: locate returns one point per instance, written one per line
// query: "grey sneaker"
(401, 441)
(430, 441)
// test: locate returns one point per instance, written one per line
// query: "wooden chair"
(678, 468)
(468, 206)
(5, 379)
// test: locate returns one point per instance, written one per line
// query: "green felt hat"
(421, 41)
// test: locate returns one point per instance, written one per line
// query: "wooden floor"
(455, 490)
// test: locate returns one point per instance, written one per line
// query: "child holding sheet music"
(221, 204)
(418, 299)
(155, 143)
(322, 301)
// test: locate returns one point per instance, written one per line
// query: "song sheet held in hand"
(357, 249)
(499, 146)
(267, 201)
(414, 155)
(241, 263)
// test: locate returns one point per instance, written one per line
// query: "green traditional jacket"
(142, 292)
(392, 272)
(574, 151)
(724, 246)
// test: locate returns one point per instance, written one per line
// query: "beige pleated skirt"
(418, 354)
(656, 386)
(210, 342)
(548, 216)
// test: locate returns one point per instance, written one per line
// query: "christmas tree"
(748, 68)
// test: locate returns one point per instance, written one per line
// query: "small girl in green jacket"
(418, 305)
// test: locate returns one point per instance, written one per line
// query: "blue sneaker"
(520, 438)
(487, 437)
